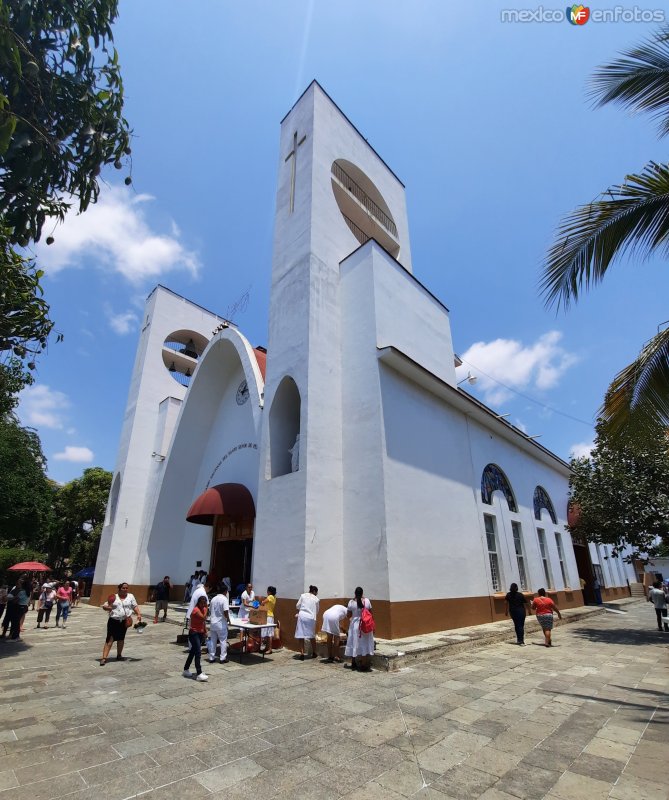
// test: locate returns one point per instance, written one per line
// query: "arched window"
(542, 500)
(284, 429)
(492, 480)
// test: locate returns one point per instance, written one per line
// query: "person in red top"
(64, 598)
(197, 633)
(544, 607)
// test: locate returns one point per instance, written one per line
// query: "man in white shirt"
(658, 598)
(218, 626)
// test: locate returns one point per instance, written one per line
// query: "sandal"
(103, 661)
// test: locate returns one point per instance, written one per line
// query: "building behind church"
(345, 454)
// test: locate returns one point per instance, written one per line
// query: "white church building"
(345, 454)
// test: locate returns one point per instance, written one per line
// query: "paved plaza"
(588, 718)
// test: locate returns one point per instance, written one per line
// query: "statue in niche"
(295, 455)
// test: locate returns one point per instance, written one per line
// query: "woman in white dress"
(359, 646)
(307, 612)
(331, 627)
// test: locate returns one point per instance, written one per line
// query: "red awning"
(232, 499)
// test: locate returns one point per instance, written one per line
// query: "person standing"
(331, 627)
(34, 593)
(45, 603)
(199, 591)
(307, 613)
(121, 607)
(597, 589)
(544, 607)
(17, 607)
(219, 619)
(247, 600)
(269, 603)
(658, 598)
(516, 604)
(162, 598)
(197, 632)
(63, 600)
(75, 593)
(359, 645)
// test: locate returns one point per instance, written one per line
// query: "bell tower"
(334, 194)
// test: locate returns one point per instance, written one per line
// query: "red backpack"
(366, 621)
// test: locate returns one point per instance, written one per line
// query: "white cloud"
(78, 455)
(43, 407)
(115, 235)
(122, 323)
(537, 366)
(581, 450)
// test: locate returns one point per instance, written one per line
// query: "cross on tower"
(293, 166)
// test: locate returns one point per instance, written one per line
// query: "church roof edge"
(393, 353)
(190, 302)
(314, 81)
(402, 267)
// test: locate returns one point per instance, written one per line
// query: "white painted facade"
(388, 493)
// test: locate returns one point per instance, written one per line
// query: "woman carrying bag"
(121, 607)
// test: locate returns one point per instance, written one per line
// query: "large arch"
(215, 441)
(542, 500)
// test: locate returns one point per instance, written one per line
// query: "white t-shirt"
(122, 608)
(658, 598)
(219, 605)
(248, 598)
(308, 605)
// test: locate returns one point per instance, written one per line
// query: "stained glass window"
(492, 480)
(542, 500)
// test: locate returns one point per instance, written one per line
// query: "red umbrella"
(29, 566)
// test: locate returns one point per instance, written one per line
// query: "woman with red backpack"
(360, 639)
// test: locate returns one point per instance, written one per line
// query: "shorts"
(161, 605)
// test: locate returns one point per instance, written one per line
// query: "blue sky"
(487, 123)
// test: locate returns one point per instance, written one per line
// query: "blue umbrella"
(86, 572)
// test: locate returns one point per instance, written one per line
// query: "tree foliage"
(26, 494)
(627, 219)
(61, 102)
(61, 121)
(620, 494)
(79, 512)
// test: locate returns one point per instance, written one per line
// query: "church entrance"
(230, 510)
(585, 572)
(232, 550)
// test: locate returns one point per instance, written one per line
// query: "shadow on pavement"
(610, 635)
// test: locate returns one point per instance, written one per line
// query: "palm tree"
(628, 219)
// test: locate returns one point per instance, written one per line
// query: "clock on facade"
(242, 393)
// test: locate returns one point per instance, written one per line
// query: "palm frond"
(630, 219)
(638, 80)
(638, 398)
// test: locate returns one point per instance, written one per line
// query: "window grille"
(520, 556)
(493, 558)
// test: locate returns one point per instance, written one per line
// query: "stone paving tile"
(220, 778)
(632, 788)
(529, 722)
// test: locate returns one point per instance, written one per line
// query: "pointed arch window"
(493, 480)
(542, 500)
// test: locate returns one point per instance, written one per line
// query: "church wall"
(364, 528)
(409, 318)
(433, 531)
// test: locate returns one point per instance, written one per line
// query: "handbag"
(128, 622)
